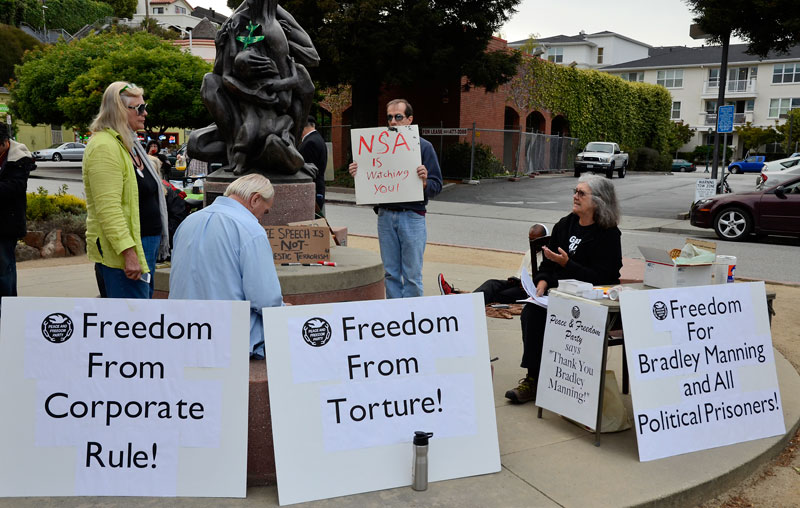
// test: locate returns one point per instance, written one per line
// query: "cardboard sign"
(704, 188)
(349, 383)
(572, 357)
(388, 158)
(119, 397)
(702, 368)
(299, 244)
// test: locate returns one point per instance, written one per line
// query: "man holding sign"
(401, 226)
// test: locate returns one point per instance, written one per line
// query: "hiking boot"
(444, 287)
(525, 392)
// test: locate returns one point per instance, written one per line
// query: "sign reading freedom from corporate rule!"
(123, 397)
(349, 383)
(388, 158)
(702, 367)
(569, 379)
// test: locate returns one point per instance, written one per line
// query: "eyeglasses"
(140, 109)
(579, 192)
(397, 118)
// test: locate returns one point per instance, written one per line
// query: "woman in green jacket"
(126, 224)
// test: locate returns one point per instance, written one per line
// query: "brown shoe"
(525, 392)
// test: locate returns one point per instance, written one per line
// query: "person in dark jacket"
(585, 245)
(314, 151)
(16, 163)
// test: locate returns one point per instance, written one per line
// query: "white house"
(760, 89)
(588, 51)
(176, 13)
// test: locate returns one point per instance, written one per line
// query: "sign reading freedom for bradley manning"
(119, 397)
(387, 159)
(702, 367)
(349, 383)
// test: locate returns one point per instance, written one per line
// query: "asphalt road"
(642, 195)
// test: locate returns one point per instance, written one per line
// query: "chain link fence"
(540, 153)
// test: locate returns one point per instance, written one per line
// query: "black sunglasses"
(140, 109)
(397, 118)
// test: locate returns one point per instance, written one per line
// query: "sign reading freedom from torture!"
(569, 379)
(702, 367)
(349, 383)
(388, 158)
(120, 397)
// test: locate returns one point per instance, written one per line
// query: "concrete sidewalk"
(546, 462)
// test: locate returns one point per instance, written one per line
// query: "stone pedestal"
(294, 199)
(358, 275)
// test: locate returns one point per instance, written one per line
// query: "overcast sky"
(653, 22)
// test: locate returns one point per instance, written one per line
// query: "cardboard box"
(299, 244)
(660, 271)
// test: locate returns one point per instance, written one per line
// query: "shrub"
(456, 162)
(42, 206)
(648, 159)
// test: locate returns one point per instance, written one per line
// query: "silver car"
(776, 172)
(61, 151)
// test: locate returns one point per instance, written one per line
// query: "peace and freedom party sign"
(387, 159)
(572, 358)
(702, 367)
(350, 383)
(123, 397)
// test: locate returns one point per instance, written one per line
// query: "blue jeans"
(402, 237)
(119, 286)
(8, 267)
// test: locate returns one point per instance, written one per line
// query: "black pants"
(501, 291)
(533, 319)
(8, 267)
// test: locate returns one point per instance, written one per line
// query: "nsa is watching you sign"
(123, 397)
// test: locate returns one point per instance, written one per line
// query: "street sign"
(725, 119)
(3, 108)
(444, 132)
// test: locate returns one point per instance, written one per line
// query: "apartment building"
(760, 89)
(587, 51)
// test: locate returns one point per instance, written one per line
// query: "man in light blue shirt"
(222, 253)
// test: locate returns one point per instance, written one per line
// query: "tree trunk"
(365, 104)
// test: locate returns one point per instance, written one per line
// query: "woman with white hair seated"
(126, 223)
(584, 245)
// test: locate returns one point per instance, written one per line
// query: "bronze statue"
(258, 94)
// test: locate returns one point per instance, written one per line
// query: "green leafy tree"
(122, 8)
(679, 134)
(789, 131)
(15, 43)
(372, 43)
(63, 83)
(752, 137)
(69, 15)
(765, 24)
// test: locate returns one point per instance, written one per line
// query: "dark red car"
(774, 211)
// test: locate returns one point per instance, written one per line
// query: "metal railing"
(731, 86)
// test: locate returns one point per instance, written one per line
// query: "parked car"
(776, 172)
(774, 211)
(752, 163)
(682, 166)
(602, 157)
(61, 151)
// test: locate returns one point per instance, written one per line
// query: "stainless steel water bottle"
(419, 475)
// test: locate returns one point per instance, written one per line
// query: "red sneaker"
(444, 287)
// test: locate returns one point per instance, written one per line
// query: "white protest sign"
(123, 397)
(702, 367)
(704, 188)
(387, 159)
(572, 357)
(349, 383)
